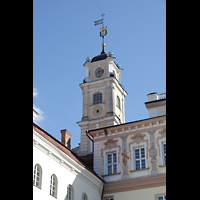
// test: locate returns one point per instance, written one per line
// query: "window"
(164, 153)
(140, 162)
(84, 197)
(108, 198)
(69, 192)
(97, 98)
(118, 102)
(99, 72)
(162, 197)
(37, 176)
(53, 186)
(112, 163)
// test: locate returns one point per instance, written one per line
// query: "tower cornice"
(113, 79)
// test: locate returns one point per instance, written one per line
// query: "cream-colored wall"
(106, 85)
(100, 147)
(94, 66)
(142, 194)
(102, 87)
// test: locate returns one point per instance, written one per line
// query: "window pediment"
(109, 144)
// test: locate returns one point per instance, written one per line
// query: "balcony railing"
(155, 96)
(162, 96)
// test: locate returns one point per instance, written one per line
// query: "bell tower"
(103, 95)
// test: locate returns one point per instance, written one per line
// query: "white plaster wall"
(142, 194)
(154, 112)
(65, 177)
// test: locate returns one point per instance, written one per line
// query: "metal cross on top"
(103, 31)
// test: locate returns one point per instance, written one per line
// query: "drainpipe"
(102, 192)
(89, 136)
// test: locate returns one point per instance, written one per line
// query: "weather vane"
(103, 31)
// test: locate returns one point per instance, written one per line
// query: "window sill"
(139, 170)
(53, 196)
(162, 165)
(37, 186)
(111, 174)
(96, 104)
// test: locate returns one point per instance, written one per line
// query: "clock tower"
(103, 96)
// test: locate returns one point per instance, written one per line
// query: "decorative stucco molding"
(111, 144)
(138, 138)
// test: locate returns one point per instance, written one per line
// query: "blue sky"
(64, 35)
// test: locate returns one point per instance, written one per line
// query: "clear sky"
(64, 35)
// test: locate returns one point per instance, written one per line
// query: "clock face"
(99, 72)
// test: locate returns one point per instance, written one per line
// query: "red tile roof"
(63, 148)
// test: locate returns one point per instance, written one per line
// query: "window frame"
(52, 191)
(71, 188)
(105, 153)
(108, 198)
(84, 196)
(162, 158)
(136, 146)
(112, 163)
(118, 102)
(160, 195)
(164, 153)
(98, 100)
(39, 176)
(99, 69)
(140, 159)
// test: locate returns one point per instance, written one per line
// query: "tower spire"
(103, 31)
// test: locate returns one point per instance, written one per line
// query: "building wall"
(67, 171)
(97, 115)
(128, 182)
(144, 194)
(158, 111)
(149, 133)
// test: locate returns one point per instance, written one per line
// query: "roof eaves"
(63, 148)
(124, 123)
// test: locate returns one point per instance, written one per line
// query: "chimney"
(66, 138)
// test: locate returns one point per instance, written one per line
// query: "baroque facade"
(115, 160)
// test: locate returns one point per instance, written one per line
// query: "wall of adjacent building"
(54, 161)
(136, 136)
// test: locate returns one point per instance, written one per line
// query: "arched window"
(118, 102)
(97, 98)
(37, 176)
(69, 193)
(84, 197)
(53, 185)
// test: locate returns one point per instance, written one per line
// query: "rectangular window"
(97, 98)
(164, 153)
(162, 197)
(140, 160)
(112, 163)
(108, 198)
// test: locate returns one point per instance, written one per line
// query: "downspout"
(102, 192)
(89, 136)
